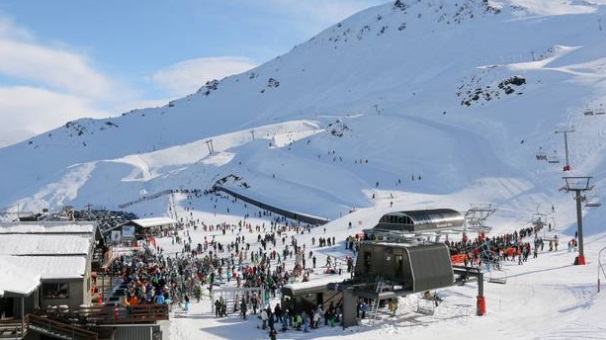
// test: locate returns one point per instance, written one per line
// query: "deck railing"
(57, 328)
(12, 328)
(109, 314)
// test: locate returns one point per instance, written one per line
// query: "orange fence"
(457, 259)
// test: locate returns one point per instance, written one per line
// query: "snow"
(34, 251)
(154, 221)
(16, 279)
(315, 283)
(545, 298)
(33, 244)
(51, 267)
(384, 104)
(46, 227)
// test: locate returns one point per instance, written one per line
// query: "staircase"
(59, 330)
(380, 285)
(12, 328)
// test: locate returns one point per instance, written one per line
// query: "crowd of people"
(507, 247)
(267, 256)
(243, 255)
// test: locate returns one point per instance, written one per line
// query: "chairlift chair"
(599, 112)
(541, 156)
(588, 112)
(537, 220)
(553, 159)
(426, 306)
(593, 201)
(498, 276)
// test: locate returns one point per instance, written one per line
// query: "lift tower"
(565, 131)
(578, 184)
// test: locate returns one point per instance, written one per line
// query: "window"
(367, 260)
(399, 265)
(55, 290)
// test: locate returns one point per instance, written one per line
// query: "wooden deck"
(56, 328)
(11, 328)
(83, 323)
(134, 314)
(103, 315)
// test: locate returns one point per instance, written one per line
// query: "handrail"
(600, 267)
(117, 314)
(62, 328)
(16, 327)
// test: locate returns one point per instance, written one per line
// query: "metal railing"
(601, 267)
(57, 328)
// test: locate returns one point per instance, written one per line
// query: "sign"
(128, 231)
(116, 236)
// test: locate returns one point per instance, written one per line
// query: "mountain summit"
(411, 104)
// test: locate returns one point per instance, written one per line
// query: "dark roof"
(421, 220)
(423, 266)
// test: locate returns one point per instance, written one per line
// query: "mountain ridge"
(462, 95)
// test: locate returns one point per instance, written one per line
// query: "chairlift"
(537, 220)
(498, 276)
(541, 156)
(593, 201)
(553, 159)
(480, 229)
(427, 304)
(588, 112)
(599, 112)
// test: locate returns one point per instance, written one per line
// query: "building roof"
(47, 227)
(421, 220)
(15, 279)
(43, 250)
(153, 222)
(323, 281)
(44, 244)
(52, 267)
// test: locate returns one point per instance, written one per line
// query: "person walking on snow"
(243, 308)
(264, 318)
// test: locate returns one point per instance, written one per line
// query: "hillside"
(419, 103)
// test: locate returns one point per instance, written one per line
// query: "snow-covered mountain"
(418, 104)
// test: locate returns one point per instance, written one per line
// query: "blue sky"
(66, 59)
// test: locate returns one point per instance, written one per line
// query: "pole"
(581, 258)
(600, 267)
(22, 316)
(102, 285)
(481, 300)
(566, 151)
(565, 131)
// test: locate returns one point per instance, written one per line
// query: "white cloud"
(62, 86)
(9, 29)
(59, 69)
(188, 76)
(27, 111)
